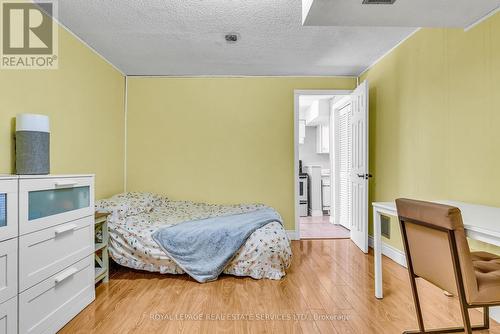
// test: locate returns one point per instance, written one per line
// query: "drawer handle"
(65, 275)
(66, 184)
(69, 228)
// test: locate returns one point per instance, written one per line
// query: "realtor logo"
(29, 35)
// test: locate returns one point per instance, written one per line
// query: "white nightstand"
(101, 247)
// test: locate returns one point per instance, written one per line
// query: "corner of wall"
(360, 75)
(69, 31)
(125, 125)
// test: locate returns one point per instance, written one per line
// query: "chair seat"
(487, 270)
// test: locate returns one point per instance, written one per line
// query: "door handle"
(365, 176)
(65, 184)
(65, 275)
(69, 228)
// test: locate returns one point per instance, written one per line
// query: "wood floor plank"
(328, 289)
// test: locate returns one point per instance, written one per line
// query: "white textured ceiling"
(186, 37)
(410, 13)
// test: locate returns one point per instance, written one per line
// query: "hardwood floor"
(321, 228)
(328, 289)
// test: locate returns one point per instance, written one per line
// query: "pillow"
(129, 204)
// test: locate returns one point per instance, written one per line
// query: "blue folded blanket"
(203, 248)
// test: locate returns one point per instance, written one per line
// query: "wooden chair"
(437, 250)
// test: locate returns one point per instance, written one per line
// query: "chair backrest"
(434, 238)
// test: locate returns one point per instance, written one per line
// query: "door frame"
(295, 235)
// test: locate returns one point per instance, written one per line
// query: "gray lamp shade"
(32, 144)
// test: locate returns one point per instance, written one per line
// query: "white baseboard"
(292, 234)
(391, 252)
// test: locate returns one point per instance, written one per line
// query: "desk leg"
(377, 253)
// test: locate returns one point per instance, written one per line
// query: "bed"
(134, 217)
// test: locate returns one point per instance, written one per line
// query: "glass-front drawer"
(8, 208)
(44, 203)
(50, 201)
(3, 210)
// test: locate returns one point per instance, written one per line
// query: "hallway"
(320, 228)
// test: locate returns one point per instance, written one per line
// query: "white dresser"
(8, 254)
(55, 246)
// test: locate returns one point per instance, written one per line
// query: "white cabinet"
(302, 131)
(9, 232)
(322, 138)
(56, 250)
(46, 251)
(318, 112)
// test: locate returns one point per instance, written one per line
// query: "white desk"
(481, 223)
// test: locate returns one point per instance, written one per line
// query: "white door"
(359, 166)
(341, 162)
(349, 161)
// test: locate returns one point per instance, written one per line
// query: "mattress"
(135, 216)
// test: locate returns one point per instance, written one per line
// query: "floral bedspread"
(135, 216)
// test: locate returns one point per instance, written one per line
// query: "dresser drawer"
(46, 202)
(8, 209)
(8, 269)
(48, 306)
(8, 316)
(46, 252)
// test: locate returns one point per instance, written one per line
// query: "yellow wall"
(435, 116)
(221, 140)
(84, 99)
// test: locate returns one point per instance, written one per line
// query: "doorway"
(315, 149)
(331, 152)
